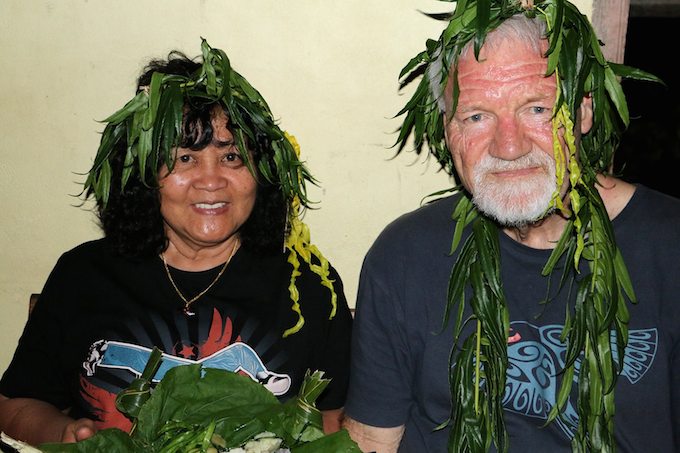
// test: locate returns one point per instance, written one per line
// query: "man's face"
(501, 134)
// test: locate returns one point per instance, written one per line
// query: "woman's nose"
(211, 176)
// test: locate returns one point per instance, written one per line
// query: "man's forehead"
(512, 71)
(506, 65)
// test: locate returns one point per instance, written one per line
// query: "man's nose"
(509, 140)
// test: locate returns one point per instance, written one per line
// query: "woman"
(204, 257)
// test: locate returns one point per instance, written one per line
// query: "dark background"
(650, 148)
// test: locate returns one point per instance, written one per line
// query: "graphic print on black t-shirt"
(536, 357)
(214, 341)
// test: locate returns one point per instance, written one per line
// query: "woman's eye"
(184, 158)
(233, 159)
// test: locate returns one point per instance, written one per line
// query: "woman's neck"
(195, 258)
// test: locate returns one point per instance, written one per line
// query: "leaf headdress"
(150, 128)
(599, 312)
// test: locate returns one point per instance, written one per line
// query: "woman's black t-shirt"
(99, 315)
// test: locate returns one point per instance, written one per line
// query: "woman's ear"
(586, 113)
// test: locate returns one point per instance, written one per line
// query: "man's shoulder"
(651, 206)
(427, 229)
(649, 214)
(425, 219)
(660, 200)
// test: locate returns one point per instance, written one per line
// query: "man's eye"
(539, 110)
(474, 118)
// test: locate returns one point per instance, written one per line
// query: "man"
(526, 344)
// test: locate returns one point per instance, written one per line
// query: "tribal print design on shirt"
(534, 366)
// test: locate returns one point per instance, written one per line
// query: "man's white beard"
(522, 200)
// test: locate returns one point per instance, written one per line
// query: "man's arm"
(374, 439)
(35, 422)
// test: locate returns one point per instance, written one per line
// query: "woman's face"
(210, 193)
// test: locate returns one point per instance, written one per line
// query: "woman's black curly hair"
(132, 220)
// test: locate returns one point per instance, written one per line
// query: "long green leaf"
(139, 102)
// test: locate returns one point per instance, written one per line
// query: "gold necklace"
(188, 302)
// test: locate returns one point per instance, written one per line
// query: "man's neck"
(545, 233)
(615, 194)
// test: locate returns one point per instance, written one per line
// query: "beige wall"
(328, 69)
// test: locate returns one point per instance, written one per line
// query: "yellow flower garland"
(298, 243)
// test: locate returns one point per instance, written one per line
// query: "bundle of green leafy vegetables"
(195, 409)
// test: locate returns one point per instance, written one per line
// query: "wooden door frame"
(610, 20)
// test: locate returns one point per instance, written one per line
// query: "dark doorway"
(650, 148)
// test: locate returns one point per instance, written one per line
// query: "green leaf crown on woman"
(603, 288)
(148, 129)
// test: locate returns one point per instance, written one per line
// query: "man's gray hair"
(519, 26)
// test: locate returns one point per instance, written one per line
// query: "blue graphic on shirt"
(237, 357)
(536, 356)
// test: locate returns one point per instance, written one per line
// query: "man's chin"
(515, 215)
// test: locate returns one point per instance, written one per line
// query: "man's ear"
(586, 113)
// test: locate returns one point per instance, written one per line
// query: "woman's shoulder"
(94, 250)
(284, 262)
(97, 255)
(316, 280)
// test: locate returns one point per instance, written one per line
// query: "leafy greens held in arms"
(194, 409)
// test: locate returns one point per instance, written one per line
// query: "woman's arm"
(332, 420)
(35, 422)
